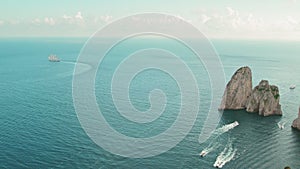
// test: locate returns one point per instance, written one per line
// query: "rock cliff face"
(237, 90)
(264, 99)
(296, 122)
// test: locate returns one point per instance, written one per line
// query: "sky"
(232, 19)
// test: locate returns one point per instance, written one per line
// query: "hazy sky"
(276, 19)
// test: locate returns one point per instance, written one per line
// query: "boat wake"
(218, 132)
(225, 156)
(226, 128)
(69, 62)
(81, 68)
(209, 148)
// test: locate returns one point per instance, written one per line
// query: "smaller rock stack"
(296, 122)
(264, 99)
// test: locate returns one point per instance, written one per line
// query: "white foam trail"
(214, 145)
(228, 158)
(209, 148)
(73, 63)
(219, 158)
(281, 125)
(216, 133)
(82, 68)
(225, 156)
(226, 127)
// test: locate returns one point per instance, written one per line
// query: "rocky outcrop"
(296, 122)
(264, 99)
(237, 90)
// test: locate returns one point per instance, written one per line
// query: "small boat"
(53, 58)
(281, 125)
(221, 164)
(236, 124)
(203, 153)
(218, 164)
(292, 86)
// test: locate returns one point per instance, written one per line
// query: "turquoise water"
(40, 129)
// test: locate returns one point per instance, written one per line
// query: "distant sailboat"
(53, 58)
(292, 86)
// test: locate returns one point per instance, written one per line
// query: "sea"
(39, 127)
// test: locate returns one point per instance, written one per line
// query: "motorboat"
(53, 58)
(292, 86)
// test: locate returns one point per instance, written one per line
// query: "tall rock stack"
(237, 90)
(263, 99)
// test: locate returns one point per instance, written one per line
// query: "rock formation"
(237, 90)
(296, 122)
(264, 99)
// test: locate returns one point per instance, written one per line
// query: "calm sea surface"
(39, 126)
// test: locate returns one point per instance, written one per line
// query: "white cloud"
(106, 18)
(14, 22)
(1, 22)
(36, 21)
(66, 17)
(204, 18)
(227, 21)
(293, 1)
(76, 19)
(79, 16)
(292, 20)
(230, 11)
(230, 23)
(102, 19)
(250, 17)
(49, 21)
